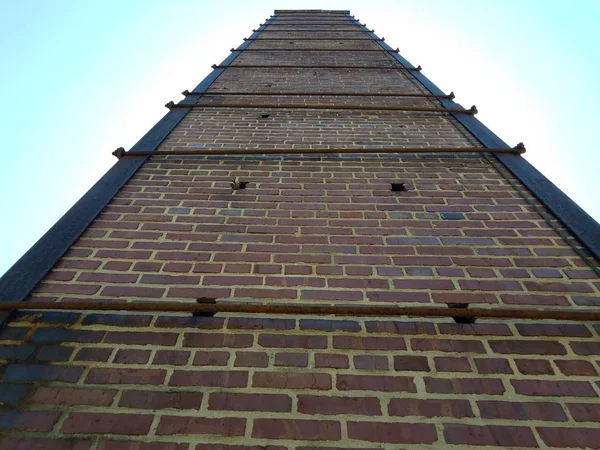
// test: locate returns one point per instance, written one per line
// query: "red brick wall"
(313, 230)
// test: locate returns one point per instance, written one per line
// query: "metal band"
(320, 94)
(314, 50)
(472, 110)
(121, 153)
(208, 305)
(251, 66)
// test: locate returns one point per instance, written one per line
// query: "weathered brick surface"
(309, 229)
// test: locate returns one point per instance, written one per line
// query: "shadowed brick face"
(310, 229)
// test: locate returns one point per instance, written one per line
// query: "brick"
(535, 286)
(132, 291)
(585, 412)
(229, 401)
(117, 320)
(25, 373)
(492, 365)
(291, 380)
(375, 383)
(215, 340)
(46, 317)
(330, 294)
(63, 288)
(170, 279)
(130, 356)
(203, 323)
(60, 335)
(463, 298)
(436, 285)
(98, 277)
(586, 348)
(237, 447)
(371, 362)
(411, 363)
(331, 361)
(490, 285)
(259, 323)
(504, 436)
(291, 360)
(102, 423)
(329, 325)
(72, 396)
(403, 328)
(489, 386)
(313, 404)
(555, 388)
(368, 343)
(251, 359)
(540, 329)
(451, 364)
(179, 425)
(430, 408)
(399, 296)
(125, 376)
(290, 341)
(534, 367)
(269, 293)
(522, 410)
(211, 358)
(140, 338)
(93, 354)
(222, 280)
(15, 420)
(139, 399)
(13, 394)
(570, 437)
(576, 368)
(447, 345)
(212, 378)
(127, 445)
(394, 433)
(306, 430)
(9, 443)
(529, 299)
(16, 352)
(171, 357)
(475, 329)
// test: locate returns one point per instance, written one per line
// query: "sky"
(80, 79)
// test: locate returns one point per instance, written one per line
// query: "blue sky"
(80, 79)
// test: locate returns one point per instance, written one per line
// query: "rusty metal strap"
(252, 66)
(323, 94)
(358, 30)
(206, 306)
(314, 50)
(472, 110)
(519, 149)
(310, 39)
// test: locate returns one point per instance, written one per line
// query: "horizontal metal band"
(345, 23)
(121, 153)
(323, 94)
(314, 50)
(472, 110)
(358, 30)
(207, 305)
(312, 39)
(251, 66)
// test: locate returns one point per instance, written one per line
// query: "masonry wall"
(321, 229)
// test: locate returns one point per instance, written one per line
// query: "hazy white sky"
(80, 79)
